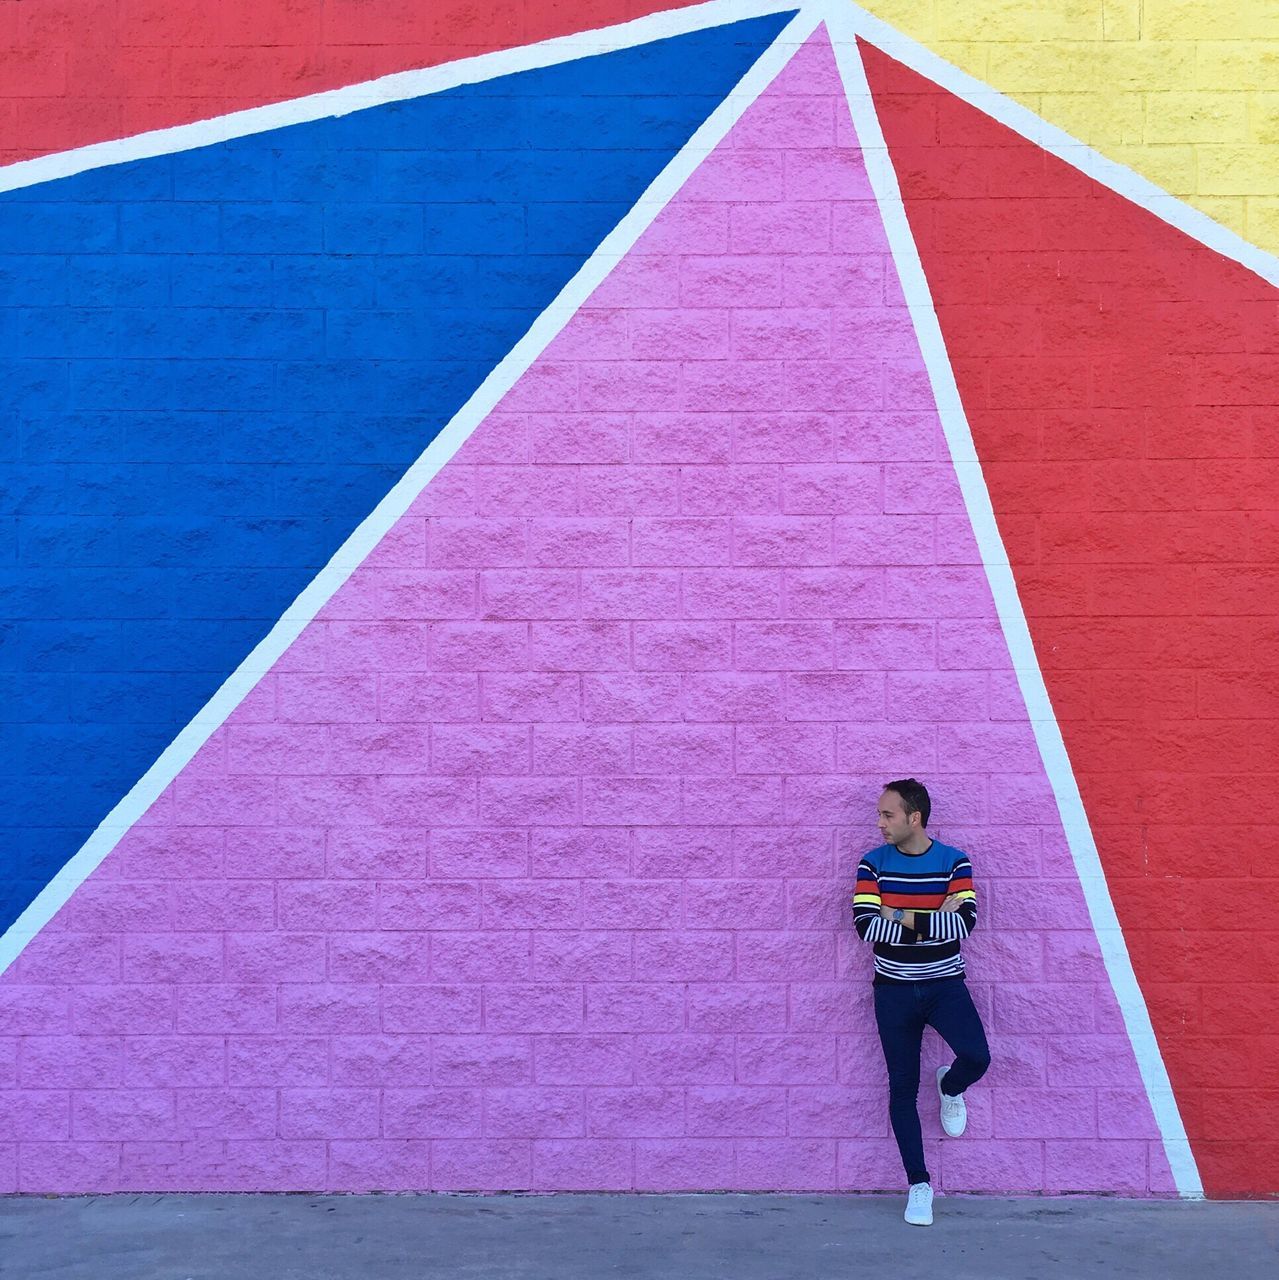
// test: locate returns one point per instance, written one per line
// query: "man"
(914, 902)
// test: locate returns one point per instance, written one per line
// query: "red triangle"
(1120, 381)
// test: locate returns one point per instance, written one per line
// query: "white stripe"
(916, 877)
(356, 548)
(391, 88)
(887, 931)
(545, 53)
(881, 930)
(1110, 173)
(844, 21)
(844, 28)
(916, 972)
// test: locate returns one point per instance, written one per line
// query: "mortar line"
(352, 553)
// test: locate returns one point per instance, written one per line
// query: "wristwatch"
(899, 915)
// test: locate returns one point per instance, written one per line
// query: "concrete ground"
(590, 1237)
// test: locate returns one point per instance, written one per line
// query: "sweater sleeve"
(954, 926)
(870, 925)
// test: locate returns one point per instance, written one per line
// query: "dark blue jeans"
(902, 1011)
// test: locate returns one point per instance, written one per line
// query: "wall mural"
(479, 539)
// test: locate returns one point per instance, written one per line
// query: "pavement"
(590, 1237)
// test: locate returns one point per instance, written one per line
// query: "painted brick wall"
(529, 864)
(1184, 91)
(1121, 380)
(77, 71)
(218, 361)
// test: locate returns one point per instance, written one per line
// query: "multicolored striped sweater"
(915, 882)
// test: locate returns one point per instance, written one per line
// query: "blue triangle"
(219, 361)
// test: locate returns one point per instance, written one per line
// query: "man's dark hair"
(914, 797)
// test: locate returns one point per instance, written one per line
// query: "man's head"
(903, 810)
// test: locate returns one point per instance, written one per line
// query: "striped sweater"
(916, 882)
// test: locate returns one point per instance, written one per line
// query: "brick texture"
(1120, 380)
(81, 71)
(219, 359)
(1183, 91)
(529, 866)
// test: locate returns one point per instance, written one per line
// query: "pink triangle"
(529, 864)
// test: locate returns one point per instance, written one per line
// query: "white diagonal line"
(390, 88)
(356, 548)
(844, 26)
(1117, 177)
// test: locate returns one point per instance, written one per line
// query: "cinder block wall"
(1184, 91)
(528, 864)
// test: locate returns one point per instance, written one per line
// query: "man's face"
(894, 825)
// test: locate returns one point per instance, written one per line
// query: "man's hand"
(952, 902)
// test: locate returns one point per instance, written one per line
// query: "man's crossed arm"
(952, 902)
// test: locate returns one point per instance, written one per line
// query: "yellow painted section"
(1186, 92)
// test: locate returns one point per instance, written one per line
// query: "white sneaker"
(919, 1205)
(954, 1111)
